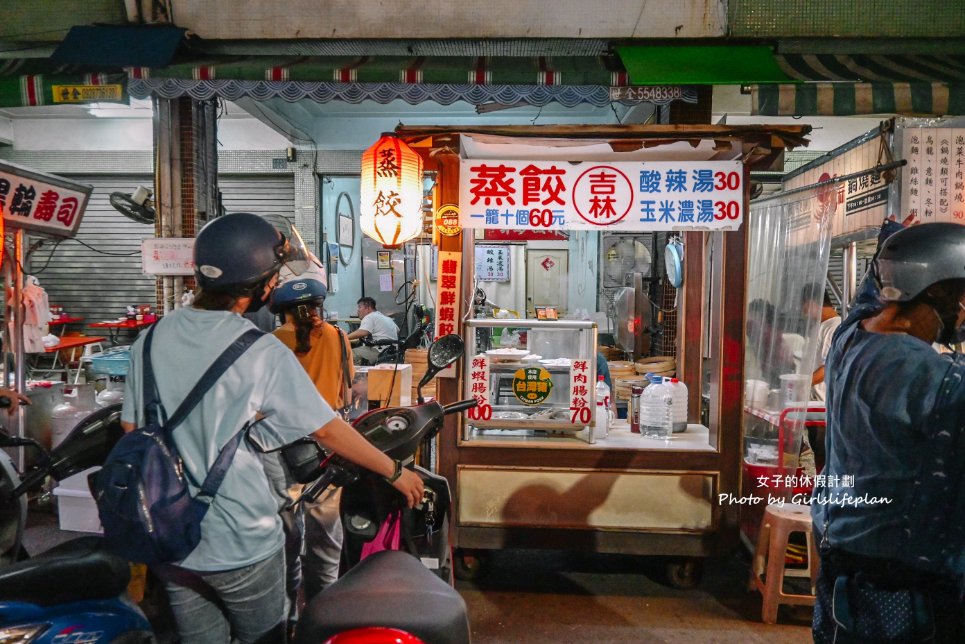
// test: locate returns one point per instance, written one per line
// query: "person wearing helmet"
(326, 355)
(889, 511)
(231, 587)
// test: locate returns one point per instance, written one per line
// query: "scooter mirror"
(442, 353)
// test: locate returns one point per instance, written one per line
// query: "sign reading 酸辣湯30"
(592, 195)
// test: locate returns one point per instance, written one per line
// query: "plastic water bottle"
(602, 407)
(678, 391)
(656, 410)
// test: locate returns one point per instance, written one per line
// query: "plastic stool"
(778, 523)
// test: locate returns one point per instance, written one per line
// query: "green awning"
(62, 89)
(701, 65)
(846, 99)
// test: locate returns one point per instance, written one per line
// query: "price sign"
(477, 386)
(167, 256)
(581, 393)
(625, 195)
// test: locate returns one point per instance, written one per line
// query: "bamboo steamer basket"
(622, 386)
(658, 365)
(612, 353)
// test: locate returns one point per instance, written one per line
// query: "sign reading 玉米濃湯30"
(591, 195)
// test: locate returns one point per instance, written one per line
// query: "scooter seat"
(76, 570)
(389, 589)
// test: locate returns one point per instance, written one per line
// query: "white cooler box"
(76, 506)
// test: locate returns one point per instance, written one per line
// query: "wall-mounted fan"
(622, 255)
(137, 207)
(674, 262)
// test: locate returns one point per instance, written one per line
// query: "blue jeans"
(245, 605)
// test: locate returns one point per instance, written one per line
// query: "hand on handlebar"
(11, 400)
(411, 486)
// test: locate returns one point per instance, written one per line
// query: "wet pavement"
(536, 597)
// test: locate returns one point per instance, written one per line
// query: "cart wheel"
(685, 574)
(469, 565)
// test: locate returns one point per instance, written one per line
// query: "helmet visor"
(292, 250)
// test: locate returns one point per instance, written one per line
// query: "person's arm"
(340, 437)
(818, 376)
(16, 399)
(358, 334)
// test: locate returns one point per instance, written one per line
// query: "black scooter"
(408, 589)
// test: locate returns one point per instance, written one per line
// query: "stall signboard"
(478, 387)
(167, 256)
(933, 182)
(447, 293)
(493, 263)
(41, 203)
(582, 393)
(855, 205)
(591, 195)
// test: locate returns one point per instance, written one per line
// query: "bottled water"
(678, 391)
(602, 407)
(656, 410)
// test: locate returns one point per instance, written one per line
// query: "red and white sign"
(167, 256)
(41, 203)
(477, 386)
(622, 195)
(933, 182)
(582, 393)
(447, 293)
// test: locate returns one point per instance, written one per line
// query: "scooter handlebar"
(457, 407)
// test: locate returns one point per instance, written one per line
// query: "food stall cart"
(548, 481)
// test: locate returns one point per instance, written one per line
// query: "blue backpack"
(143, 500)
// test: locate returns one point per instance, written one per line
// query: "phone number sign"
(622, 195)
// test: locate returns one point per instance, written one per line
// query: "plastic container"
(602, 407)
(656, 410)
(112, 393)
(73, 408)
(77, 511)
(795, 390)
(678, 391)
(636, 396)
(113, 362)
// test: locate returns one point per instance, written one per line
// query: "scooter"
(395, 351)
(74, 593)
(409, 588)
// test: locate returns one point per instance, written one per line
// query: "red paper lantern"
(390, 209)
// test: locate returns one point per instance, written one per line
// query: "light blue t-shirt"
(242, 525)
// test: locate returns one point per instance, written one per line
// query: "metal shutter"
(261, 195)
(88, 283)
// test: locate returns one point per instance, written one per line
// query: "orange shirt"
(323, 362)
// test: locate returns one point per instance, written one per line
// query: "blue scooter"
(74, 593)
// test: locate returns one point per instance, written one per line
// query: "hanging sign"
(447, 221)
(478, 388)
(493, 263)
(582, 395)
(41, 203)
(590, 195)
(532, 385)
(933, 182)
(447, 293)
(167, 256)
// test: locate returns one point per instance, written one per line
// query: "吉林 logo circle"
(602, 195)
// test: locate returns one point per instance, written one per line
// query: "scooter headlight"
(22, 634)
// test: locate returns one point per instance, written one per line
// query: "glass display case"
(530, 377)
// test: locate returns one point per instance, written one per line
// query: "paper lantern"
(390, 209)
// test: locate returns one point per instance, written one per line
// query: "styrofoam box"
(77, 482)
(77, 511)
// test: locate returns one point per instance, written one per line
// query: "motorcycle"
(407, 588)
(74, 592)
(395, 351)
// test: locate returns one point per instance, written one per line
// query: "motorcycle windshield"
(298, 259)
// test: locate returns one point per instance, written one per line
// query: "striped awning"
(569, 81)
(847, 99)
(62, 89)
(896, 68)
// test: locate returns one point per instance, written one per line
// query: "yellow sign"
(87, 93)
(532, 385)
(447, 221)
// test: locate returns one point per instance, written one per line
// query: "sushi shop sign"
(590, 195)
(41, 203)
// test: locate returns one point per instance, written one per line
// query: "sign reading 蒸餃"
(591, 195)
(41, 203)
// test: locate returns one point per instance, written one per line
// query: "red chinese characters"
(580, 410)
(448, 293)
(602, 195)
(493, 184)
(478, 385)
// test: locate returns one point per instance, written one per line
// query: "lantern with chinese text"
(390, 210)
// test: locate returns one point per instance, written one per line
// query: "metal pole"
(18, 319)
(850, 260)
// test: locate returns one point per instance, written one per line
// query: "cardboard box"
(77, 511)
(390, 385)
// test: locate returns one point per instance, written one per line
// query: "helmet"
(297, 291)
(914, 258)
(237, 251)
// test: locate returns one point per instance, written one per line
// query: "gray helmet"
(237, 251)
(295, 292)
(914, 258)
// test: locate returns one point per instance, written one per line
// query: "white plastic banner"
(591, 195)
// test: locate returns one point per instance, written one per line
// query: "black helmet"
(236, 252)
(916, 257)
(297, 291)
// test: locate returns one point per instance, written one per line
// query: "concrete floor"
(534, 597)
